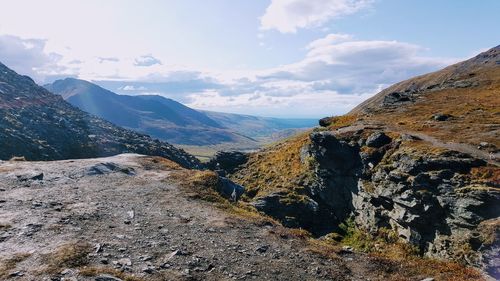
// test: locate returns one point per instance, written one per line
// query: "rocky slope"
(132, 217)
(418, 161)
(39, 125)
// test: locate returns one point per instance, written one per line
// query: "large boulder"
(378, 139)
(229, 190)
(296, 210)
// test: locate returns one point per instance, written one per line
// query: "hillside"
(415, 164)
(157, 116)
(133, 218)
(39, 125)
(465, 95)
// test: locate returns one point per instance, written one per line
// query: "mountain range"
(172, 121)
(39, 125)
(413, 171)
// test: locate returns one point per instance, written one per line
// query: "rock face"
(39, 125)
(337, 168)
(428, 199)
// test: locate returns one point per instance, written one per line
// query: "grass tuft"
(70, 255)
(7, 265)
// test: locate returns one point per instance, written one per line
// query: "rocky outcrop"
(429, 199)
(337, 167)
(39, 125)
(227, 162)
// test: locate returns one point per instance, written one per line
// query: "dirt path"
(134, 225)
(491, 158)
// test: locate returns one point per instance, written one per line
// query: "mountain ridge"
(168, 119)
(39, 125)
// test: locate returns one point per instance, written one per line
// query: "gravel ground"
(113, 219)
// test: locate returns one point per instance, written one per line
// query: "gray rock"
(325, 122)
(395, 98)
(262, 249)
(30, 176)
(124, 261)
(378, 139)
(441, 117)
(229, 190)
(105, 277)
(227, 162)
(108, 168)
(292, 213)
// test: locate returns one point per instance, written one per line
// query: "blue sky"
(282, 58)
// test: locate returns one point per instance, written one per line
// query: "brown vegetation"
(275, 168)
(7, 265)
(69, 255)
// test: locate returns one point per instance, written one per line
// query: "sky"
(279, 58)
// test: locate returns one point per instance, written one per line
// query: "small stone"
(16, 274)
(165, 265)
(124, 261)
(262, 249)
(441, 117)
(148, 270)
(106, 277)
(67, 271)
(104, 261)
(98, 248)
(347, 249)
(428, 279)
(131, 214)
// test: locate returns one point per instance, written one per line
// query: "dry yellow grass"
(69, 255)
(276, 168)
(159, 163)
(475, 112)
(336, 122)
(7, 265)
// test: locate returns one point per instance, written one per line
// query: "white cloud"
(28, 57)
(337, 72)
(302, 104)
(287, 16)
(108, 59)
(133, 88)
(328, 40)
(146, 60)
(355, 66)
